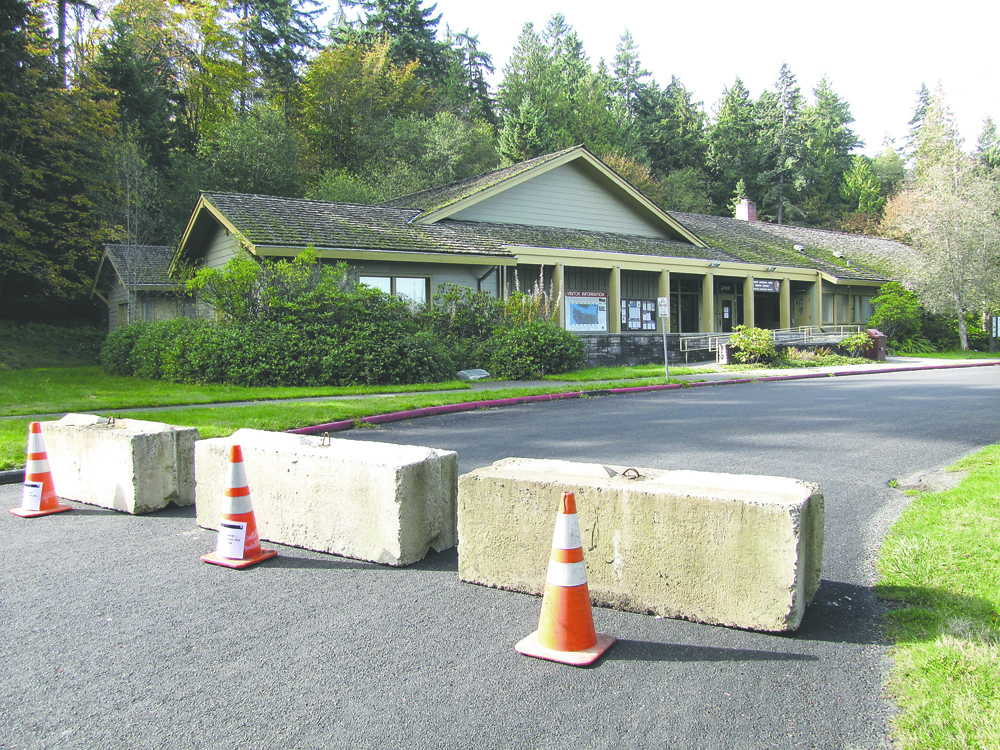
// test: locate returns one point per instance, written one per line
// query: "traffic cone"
(238, 544)
(566, 626)
(39, 496)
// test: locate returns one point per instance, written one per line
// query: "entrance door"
(727, 311)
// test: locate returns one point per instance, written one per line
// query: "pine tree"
(781, 147)
(732, 146)
(411, 30)
(522, 135)
(829, 142)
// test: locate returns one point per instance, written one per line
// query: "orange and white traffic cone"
(39, 496)
(238, 544)
(566, 626)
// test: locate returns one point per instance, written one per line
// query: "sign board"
(767, 285)
(637, 315)
(663, 306)
(586, 311)
(996, 327)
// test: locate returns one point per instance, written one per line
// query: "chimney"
(746, 210)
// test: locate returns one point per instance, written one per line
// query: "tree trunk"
(963, 336)
(61, 51)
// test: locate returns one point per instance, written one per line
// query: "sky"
(875, 53)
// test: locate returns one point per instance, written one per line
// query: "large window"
(416, 289)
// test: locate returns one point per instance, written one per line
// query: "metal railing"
(803, 335)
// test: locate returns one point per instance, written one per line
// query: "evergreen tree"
(522, 135)
(411, 30)
(276, 38)
(52, 147)
(672, 128)
(829, 142)
(988, 147)
(781, 148)
(862, 189)
(628, 77)
(916, 122)
(732, 146)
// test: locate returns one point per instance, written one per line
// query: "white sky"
(876, 53)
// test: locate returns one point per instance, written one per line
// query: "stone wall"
(605, 349)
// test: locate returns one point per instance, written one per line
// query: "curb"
(13, 476)
(430, 411)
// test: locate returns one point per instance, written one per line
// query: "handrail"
(712, 340)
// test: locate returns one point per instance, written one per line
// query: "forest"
(115, 114)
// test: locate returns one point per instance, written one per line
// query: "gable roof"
(138, 266)
(839, 256)
(440, 203)
(267, 221)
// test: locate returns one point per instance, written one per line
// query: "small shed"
(134, 282)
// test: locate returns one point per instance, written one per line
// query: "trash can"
(877, 350)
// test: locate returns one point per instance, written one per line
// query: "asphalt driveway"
(115, 634)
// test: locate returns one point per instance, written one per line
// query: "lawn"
(87, 389)
(63, 389)
(940, 571)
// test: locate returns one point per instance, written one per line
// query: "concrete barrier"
(742, 551)
(370, 501)
(123, 464)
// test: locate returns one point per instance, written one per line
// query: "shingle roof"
(141, 265)
(288, 222)
(862, 258)
(579, 239)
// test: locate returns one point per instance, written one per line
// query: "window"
(147, 308)
(416, 289)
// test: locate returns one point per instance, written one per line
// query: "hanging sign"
(767, 285)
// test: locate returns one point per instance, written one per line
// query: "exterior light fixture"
(772, 268)
(800, 248)
(714, 264)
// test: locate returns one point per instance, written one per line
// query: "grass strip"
(958, 354)
(67, 389)
(940, 571)
(221, 421)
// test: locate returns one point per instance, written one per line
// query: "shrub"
(897, 312)
(116, 354)
(857, 343)
(532, 351)
(749, 346)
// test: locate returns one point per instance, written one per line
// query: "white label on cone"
(232, 537)
(31, 498)
(566, 574)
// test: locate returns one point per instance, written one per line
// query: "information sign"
(767, 285)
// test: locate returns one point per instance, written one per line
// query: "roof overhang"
(203, 212)
(345, 253)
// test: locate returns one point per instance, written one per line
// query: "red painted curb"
(430, 411)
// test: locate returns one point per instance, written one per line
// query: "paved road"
(115, 634)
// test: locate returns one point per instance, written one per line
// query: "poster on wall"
(586, 311)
